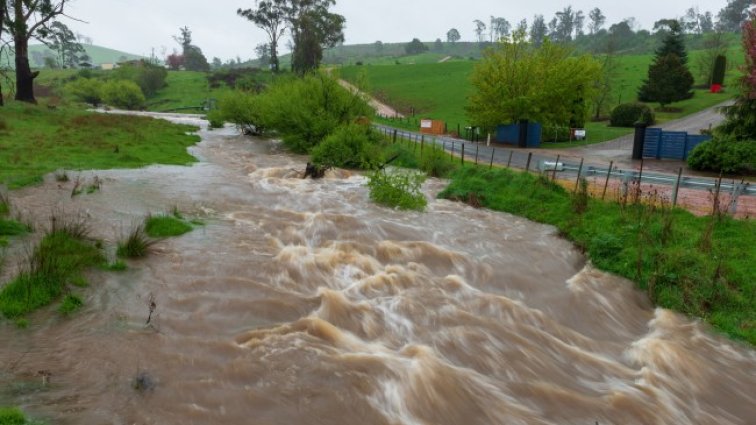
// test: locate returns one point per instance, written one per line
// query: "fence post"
(640, 175)
(395, 133)
(493, 151)
(476, 154)
(509, 162)
(676, 191)
(463, 155)
(580, 171)
(527, 166)
(556, 164)
(608, 174)
(737, 190)
(451, 152)
(639, 140)
(422, 146)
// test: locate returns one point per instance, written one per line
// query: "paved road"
(620, 150)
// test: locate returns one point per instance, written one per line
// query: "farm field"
(440, 90)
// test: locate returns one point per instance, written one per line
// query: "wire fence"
(700, 195)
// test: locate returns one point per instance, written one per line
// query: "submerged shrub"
(399, 189)
(71, 304)
(350, 146)
(165, 226)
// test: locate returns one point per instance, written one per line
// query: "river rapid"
(300, 302)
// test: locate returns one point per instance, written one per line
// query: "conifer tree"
(669, 79)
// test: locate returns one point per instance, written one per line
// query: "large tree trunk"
(24, 75)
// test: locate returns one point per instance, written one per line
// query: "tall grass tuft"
(136, 244)
(60, 258)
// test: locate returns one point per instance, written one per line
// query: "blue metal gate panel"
(509, 134)
(672, 145)
(652, 142)
(534, 135)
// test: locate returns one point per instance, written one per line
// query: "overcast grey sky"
(137, 26)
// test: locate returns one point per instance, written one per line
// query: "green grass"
(60, 258)
(440, 91)
(676, 263)
(71, 304)
(14, 416)
(184, 89)
(164, 226)
(40, 141)
(116, 266)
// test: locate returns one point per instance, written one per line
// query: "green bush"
(629, 114)
(436, 162)
(123, 94)
(215, 118)
(242, 109)
(350, 146)
(85, 90)
(397, 189)
(724, 155)
(136, 245)
(304, 111)
(149, 78)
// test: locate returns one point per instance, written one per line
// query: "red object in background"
(716, 88)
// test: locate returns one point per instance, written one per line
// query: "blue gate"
(510, 134)
(670, 144)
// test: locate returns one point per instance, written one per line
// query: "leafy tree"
(313, 28)
(597, 21)
(579, 23)
(566, 25)
(438, 45)
(194, 60)
(669, 79)
(480, 29)
(415, 47)
(714, 44)
(538, 31)
(452, 36)
(24, 20)
(271, 17)
(175, 61)
(732, 16)
(378, 47)
(3, 10)
(740, 122)
(263, 54)
(88, 90)
(322, 106)
(500, 28)
(63, 41)
(706, 22)
(217, 63)
(522, 26)
(517, 81)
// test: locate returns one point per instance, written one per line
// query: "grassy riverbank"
(35, 140)
(700, 266)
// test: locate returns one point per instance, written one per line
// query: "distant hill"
(99, 55)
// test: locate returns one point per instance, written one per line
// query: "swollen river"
(300, 302)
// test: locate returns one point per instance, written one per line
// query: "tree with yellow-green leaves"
(517, 81)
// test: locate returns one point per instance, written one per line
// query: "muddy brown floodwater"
(300, 302)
